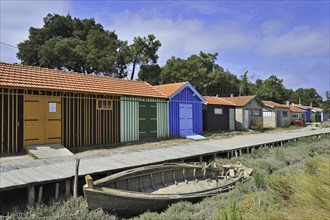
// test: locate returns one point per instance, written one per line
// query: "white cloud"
(300, 41)
(18, 16)
(180, 37)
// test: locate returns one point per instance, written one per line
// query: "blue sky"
(286, 38)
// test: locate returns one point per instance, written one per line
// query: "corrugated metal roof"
(22, 76)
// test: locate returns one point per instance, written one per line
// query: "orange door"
(42, 120)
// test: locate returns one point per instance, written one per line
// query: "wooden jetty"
(61, 173)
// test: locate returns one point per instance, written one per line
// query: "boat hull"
(154, 188)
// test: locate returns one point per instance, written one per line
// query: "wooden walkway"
(44, 171)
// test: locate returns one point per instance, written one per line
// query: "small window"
(267, 114)
(284, 114)
(104, 104)
(294, 115)
(218, 111)
(257, 112)
(99, 104)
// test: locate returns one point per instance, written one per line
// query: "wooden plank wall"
(11, 120)
(84, 124)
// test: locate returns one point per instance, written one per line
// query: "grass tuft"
(291, 182)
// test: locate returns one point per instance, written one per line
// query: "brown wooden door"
(42, 120)
(52, 120)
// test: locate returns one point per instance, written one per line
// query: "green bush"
(231, 212)
(260, 180)
(256, 125)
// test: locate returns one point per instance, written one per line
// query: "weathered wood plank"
(53, 171)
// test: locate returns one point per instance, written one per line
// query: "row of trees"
(67, 43)
(84, 46)
(211, 79)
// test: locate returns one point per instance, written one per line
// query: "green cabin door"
(147, 120)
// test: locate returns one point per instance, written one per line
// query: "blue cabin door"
(186, 119)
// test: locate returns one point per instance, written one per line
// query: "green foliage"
(202, 72)
(326, 104)
(306, 96)
(72, 208)
(256, 125)
(222, 83)
(67, 43)
(311, 166)
(272, 89)
(245, 85)
(280, 185)
(260, 180)
(231, 212)
(287, 192)
(144, 51)
(150, 74)
(195, 69)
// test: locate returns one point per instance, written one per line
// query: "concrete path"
(28, 172)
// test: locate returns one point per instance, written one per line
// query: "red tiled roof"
(21, 76)
(170, 89)
(239, 100)
(275, 104)
(217, 101)
(296, 109)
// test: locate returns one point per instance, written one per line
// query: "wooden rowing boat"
(154, 187)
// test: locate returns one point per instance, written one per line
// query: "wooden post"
(75, 184)
(228, 155)
(214, 156)
(200, 158)
(89, 182)
(31, 195)
(67, 188)
(40, 194)
(240, 152)
(57, 188)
